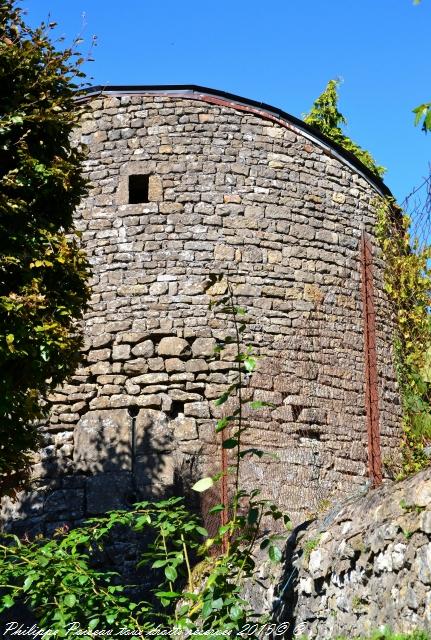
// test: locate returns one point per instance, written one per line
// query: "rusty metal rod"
(370, 353)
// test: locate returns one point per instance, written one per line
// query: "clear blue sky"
(281, 52)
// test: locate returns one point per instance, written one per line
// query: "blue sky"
(281, 52)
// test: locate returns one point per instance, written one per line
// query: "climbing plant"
(42, 270)
(325, 116)
(408, 284)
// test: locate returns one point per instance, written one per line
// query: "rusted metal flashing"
(370, 353)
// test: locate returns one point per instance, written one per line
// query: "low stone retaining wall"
(365, 564)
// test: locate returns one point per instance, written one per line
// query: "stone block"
(154, 472)
(202, 347)
(174, 364)
(173, 346)
(102, 441)
(132, 336)
(155, 364)
(97, 355)
(224, 252)
(65, 503)
(231, 198)
(144, 349)
(287, 383)
(196, 365)
(101, 340)
(139, 365)
(313, 416)
(422, 565)
(120, 352)
(153, 432)
(425, 522)
(155, 189)
(151, 378)
(185, 428)
(108, 491)
(197, 409)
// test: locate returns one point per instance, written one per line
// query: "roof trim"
(215, 96)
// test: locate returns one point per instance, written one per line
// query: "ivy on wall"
(408, 284)
(325, 116)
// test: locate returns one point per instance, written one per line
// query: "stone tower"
(187, 181)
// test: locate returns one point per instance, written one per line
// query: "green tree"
(325, 116)
(423, 111)
(42, 270)
(423, 116)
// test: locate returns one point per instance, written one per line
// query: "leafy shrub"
(42, 271)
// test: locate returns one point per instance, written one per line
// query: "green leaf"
(167, 594)
(8, 601)
(223, 423)
(143, 520)
(171, 573)
(224, 529)
(252, 515)
(250, 364)
(202, 531)
(27, 583)
(159, 563)
(255, 452)
(207, 608)
(230, 443)
(274, 553)
(70, 600)
(259, 404)
(203, 484)
(222, 399)
(111, 617)
(93, 623)
(217, 508)
(235, 612)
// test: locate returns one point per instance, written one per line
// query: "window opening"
(138, 188)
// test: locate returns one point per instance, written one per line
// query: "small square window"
(138, 188)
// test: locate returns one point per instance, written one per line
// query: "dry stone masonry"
(363, 566)
(185, 183)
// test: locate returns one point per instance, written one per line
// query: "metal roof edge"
(189, 90)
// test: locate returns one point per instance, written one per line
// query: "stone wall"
(364, 565)
(235, 192)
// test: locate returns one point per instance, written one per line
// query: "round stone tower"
(187, 182)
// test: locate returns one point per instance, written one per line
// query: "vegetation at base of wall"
(389, 635)
(310, 546)
(42, 270)
(194, 589)
(384, 635)
(408, 284)
(325, 116)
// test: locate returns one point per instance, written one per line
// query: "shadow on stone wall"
(120, 457)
